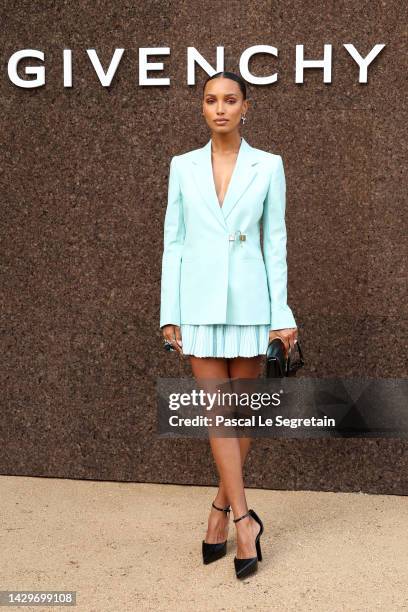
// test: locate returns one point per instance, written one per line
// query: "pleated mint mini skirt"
(224, 340)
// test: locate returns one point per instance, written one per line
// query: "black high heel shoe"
(212, 552)
(245, 567)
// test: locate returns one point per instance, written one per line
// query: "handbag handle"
(293, 366)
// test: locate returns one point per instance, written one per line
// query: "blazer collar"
(243, 174)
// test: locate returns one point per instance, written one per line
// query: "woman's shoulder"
(187, 155)
(271, 160)
(267, 154)
(267, 160)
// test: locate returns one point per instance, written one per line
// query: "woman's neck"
(225, 143)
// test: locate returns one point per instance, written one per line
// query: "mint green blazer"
(213, 268)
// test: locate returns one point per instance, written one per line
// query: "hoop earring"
(243, 119)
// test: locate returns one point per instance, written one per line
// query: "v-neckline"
(232, 174)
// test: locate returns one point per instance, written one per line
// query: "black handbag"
(277, 365)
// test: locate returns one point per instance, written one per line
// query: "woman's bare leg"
(227, 456)
(213, 368)
(240, 367)
(248, 528)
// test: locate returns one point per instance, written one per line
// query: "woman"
(222, 300)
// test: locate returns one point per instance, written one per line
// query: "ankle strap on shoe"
(227, 509)
(241, 517)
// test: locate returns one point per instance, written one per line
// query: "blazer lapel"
(243, 174)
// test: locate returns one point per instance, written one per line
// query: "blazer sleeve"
(274, 248)
(174, 234)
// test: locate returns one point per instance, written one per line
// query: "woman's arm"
(274, 248)
(174, 234)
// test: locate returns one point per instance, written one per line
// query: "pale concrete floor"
(130, 547)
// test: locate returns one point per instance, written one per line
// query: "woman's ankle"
(221, 502)
(244, 523)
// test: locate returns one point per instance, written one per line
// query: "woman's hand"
(288, 337)
(172, 333)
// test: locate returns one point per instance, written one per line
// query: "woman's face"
(223, 105)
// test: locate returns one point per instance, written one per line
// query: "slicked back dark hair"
(229, 75)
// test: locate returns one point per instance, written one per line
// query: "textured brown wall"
(83, 182)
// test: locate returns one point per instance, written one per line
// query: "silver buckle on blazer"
(241, 237)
